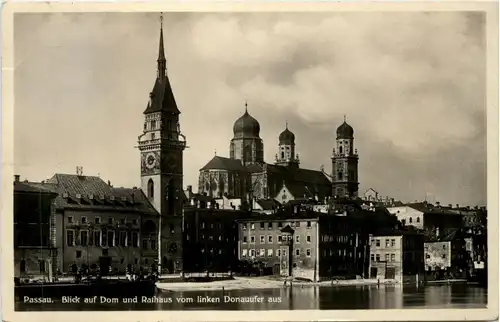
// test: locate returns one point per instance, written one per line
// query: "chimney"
(458, 206)
(17, 178)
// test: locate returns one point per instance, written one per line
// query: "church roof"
(222, 163)
(299, 190)
(287, 137)
(299, 174)
(246, 126)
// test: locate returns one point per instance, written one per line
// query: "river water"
(297, 298)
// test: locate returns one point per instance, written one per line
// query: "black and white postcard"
(242, 161)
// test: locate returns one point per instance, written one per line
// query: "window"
(244, 253)
(410, 220)
(144, 244)
(278, 252)
(41, 265)
(444, 246)
(153, 136)
(244, 226)
(262, 252)
(282, 154)
(202, 225)
(269, 253)
(387, 243)
(393, 257)
(97, 220)
(262, 239)
(252, 226)
(427, 256)
(252, 252)
(280, 238)
(393, 242)
(280, 224)
(270, 225)
(97, 237)
(262, 225)
(244, 239)
(151, 189)
(270, 239)
(372, 257)
(403, 221)
(78, 254)
(111, 238)
(377, 257)
(443, 256)
(153, 243)
(70, 220)
(252, 239)
(135, 239)
(308, 238)
(146, 261)
(134, 221)
(122, 221)
(308, 252)
(386, 257)
(70, 238)
(153, 124)
(418, 219)
(145, 126)
(84, 238)
(339, 175)
(308, 224)
(110, 221)
(297, 239)
(377, 242)
(123, 238)
(187, 237)
(297, 252)
(297, 224)
(284, 252)
(84, 220)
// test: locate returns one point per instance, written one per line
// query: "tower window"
(145, 126)
(340, 149)
(153, 124)
(151, 189)
(339, 176)
(152, 136)
(282, 155)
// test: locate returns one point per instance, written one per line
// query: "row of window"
(340, 253)
(154, 125)
(388, 242)
(78, 254)
(338, 239)
(262, 252)
(270, 225)
(270, 239)
(410, 220)
(109, 239)
(97, 220)
(219, 251)
(388, 257)
(211, 237)
(443, 256)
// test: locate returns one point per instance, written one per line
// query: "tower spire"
(246, 106)
(344, 118)
(162, 62)
(286, 124)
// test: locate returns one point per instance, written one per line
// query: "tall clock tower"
(161, 145)
(345, 163)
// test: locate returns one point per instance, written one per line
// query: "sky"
(411, 84)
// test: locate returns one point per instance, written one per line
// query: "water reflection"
(297, 298)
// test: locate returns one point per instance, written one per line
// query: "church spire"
(162, 62)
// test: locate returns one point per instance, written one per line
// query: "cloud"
(411, 84)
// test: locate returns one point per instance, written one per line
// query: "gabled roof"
(287, 229)
(34, 187)
(90, 192)
(222, 163)
(299, 174)
(268, 204)
(298, 190)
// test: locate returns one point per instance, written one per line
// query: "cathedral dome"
(246, 126)
(345, 131)
(287, 137)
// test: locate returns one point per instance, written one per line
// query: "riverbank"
(240, 283)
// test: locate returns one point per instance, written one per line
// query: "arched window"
(411, 220)
(418, 219)
(282, 155)
(339, 176)
(22, 266)
(340, 149)
(153, 124)
(403, 221)
(152, 136)
(151, 189)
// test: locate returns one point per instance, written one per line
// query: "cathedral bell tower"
(161, 145)
(286, 149)
(345, 163)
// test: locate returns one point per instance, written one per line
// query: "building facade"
(345, 163)
(398, 256)
(35, 251)
(161, 146)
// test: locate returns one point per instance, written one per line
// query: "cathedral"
(246, 175)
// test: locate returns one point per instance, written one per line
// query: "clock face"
(150, 160)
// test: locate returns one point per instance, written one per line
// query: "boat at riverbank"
(105, 287)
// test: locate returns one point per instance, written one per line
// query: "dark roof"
(292, 174)
(222, 163)
(345, 131)
(90, 192)
(33, 187)
(287, 229)
(299, 190)
(450, 234)
(268, 204)
(287, 137)
(246, 126)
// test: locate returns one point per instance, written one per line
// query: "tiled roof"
(299, 190)
(222, 163)
(162, 98)
(89, 192)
